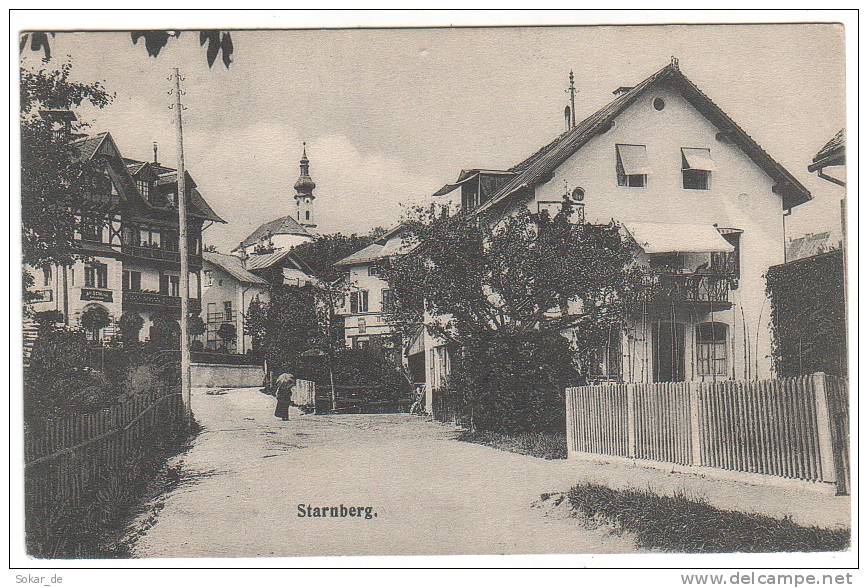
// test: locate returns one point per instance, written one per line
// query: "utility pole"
(183, 246)
(572, 92)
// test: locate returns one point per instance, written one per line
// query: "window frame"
(712, 354)
(96, 275)
(624, 180)
(686, 170)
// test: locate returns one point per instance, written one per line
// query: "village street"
(247, 472)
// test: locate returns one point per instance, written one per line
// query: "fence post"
(571, 424)
(694, 389)
(631, 421)
(824, 428)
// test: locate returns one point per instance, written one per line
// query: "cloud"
(247, 174)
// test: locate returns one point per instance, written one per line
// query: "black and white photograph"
(438, 290)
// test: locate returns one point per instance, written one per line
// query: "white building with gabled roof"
(705, 204)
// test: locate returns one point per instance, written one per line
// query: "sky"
(390, 115)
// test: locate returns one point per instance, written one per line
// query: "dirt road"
(248, 477)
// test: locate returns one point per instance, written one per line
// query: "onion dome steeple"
(304, 187)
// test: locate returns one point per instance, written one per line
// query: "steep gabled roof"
(370, 253)
(285, 225)
(264, 261)
(810, 245)
(233, 266)
(390, 243)
(167, 175)
(537, 168)
(832, 153)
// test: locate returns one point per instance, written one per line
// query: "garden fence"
(64, 456)
(795, 428)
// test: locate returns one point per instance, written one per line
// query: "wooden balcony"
(153, 300)
(706, 290)
(170, 256)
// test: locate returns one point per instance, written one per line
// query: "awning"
(699, 159)
(417, 342)
(634, 160)
(677, 238)
(449, 187)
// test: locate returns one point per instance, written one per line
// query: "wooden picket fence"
(795, 428)
(304, 393)
(65, 457)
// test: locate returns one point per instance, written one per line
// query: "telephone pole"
(572, 91)
(183, 246)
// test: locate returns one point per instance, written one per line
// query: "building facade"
(228, 289)
(701, 199)
(369, 298)
(128, 232)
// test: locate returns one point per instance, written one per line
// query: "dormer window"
(632, 165)
(145, 188)
(696, 168)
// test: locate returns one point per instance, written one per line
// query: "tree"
(499, 294)
(219, 42)
(227, 333)
(130, 325)
(165, 332)
(322, 253)
(196, 326)
(55, 180)
(93, 319)
(286, 327)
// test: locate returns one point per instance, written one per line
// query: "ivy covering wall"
(809, 318)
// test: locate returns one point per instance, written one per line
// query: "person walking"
(285, 384)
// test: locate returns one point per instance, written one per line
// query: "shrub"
(196, 326)
(227, 332)
(165, 332)
(130, 325)
(95, 318)
(512, 383)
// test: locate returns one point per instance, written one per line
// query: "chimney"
(242, 254)
(156, 161)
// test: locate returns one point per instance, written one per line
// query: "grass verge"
(681, 523)
(544, 445)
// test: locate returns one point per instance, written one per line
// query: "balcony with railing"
(706, 289)
(151, 299)
(162, 254)
(221, 317)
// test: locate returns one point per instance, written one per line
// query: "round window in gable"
(659, 104)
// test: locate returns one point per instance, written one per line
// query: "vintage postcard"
(514, 290)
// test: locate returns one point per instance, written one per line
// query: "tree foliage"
(502, 296)
(286, 327)
(322, 253)
(218, 43)
(130, 325)
(527, 273)
(55, 180)
(809, 319)
(95, 318)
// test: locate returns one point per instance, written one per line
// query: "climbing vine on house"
(809, 319)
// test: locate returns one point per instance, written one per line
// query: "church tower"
(304, 193)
